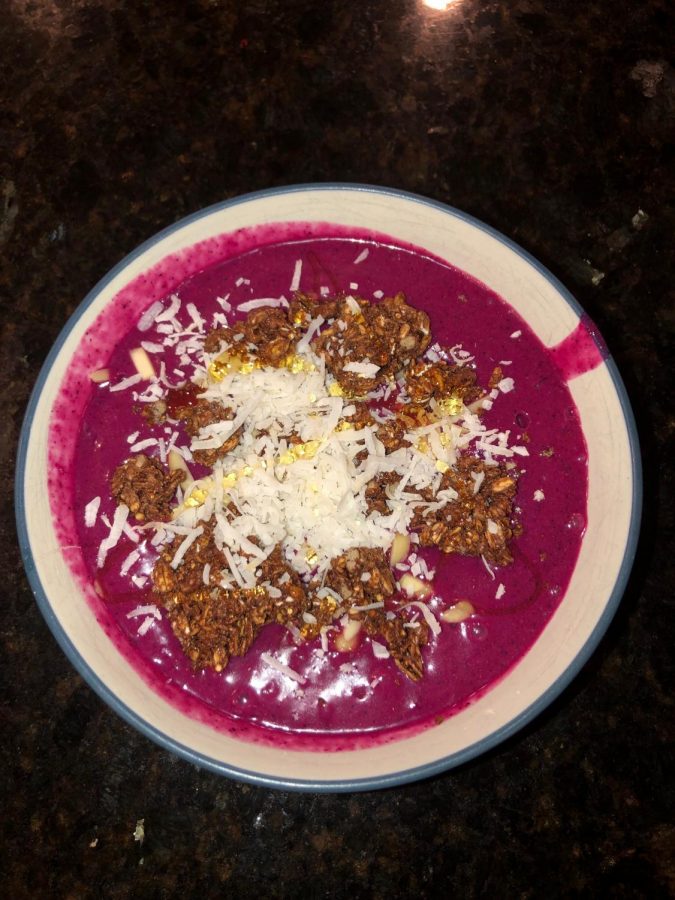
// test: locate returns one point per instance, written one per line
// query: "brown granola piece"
(410, 327)
(318, 612)
(425, 380)
(272, 334)
(477, 522)
(413, 415)
(404, 644)
(391, 434)
(154, 413)
(189, 575)
(346, 578)
(293, 601)
(200, 414)
(214, 625)
(211, 622)
(376, 494)
(388, 334)
(496, 377)
(346, 571)
(294, 439)
(361, 417)
(303, 308)
(323, 609)
(219, 336)
(146, 487)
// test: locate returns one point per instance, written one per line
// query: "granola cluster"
(389, 334)
(144, 485)
(213, 624)
(479, 522)
(366, 346)
(200, 414)
(269, 329)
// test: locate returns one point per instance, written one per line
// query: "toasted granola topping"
(479, 521)
(425, 380)
(387, 336)
(203, 413)
(404, 466)
(347, 571)
(146, 487)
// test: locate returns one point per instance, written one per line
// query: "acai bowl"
(329, 488)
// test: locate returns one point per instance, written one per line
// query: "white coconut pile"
(308, 497)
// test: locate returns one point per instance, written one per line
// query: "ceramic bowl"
(567, 641)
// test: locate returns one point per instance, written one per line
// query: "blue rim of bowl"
(388, 780)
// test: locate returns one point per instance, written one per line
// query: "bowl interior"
(70, 606)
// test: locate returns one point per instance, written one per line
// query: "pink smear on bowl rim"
(347, 701)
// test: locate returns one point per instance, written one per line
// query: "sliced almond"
(143, 363)
(458, 612)
(348, 637)
(415, 587)
(100, 376)
(399, 548)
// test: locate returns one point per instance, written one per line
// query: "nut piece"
(502, 484)
(458, 612)
(415, 587)
(143, 363)
(399, 549)
(348, 638)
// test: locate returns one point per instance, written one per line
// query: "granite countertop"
(554, 123)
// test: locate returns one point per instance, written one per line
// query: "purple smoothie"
(373, 702)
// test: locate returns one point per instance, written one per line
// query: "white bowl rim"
(344, 785)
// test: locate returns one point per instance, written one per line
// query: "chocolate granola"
(144, 485)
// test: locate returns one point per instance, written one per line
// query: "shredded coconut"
(91, 511)
(149, 610)
(429, 617)
(274, 663)
(149, 316)
(379, 650)
(119, 519)
(295, 280)
(146, 625)
(125, 383)
(185, 546)
(130, 560)
(262, 302)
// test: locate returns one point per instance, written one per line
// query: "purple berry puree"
(368, 702)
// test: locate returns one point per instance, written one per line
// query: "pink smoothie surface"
(369, 701)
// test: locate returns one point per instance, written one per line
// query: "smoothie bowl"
(329, 487)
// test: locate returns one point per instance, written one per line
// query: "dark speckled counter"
(554, 123)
